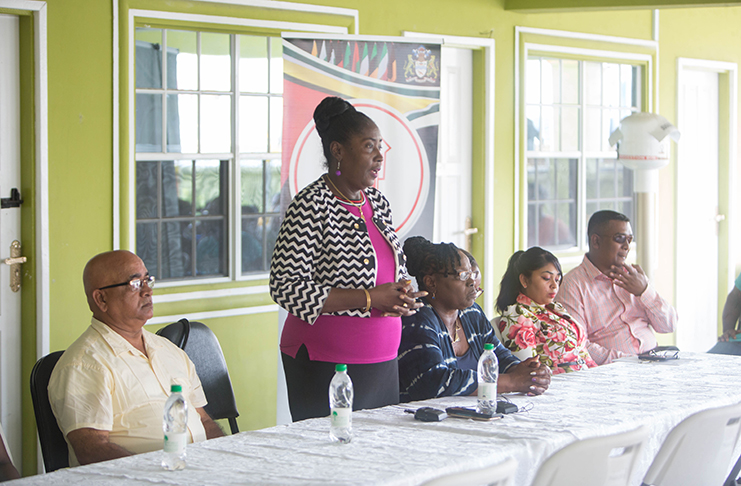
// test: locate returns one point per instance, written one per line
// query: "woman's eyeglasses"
(464, 275)
(135, 285)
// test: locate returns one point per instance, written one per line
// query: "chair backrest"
(698, 450)
(203, 348)
(53, 446)
(502, 474)
(600, 461)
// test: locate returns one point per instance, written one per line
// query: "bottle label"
(341, 417)
(487, 391)
(175, 442)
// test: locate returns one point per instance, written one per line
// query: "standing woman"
(339, 270)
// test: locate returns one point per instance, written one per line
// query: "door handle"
(14, 262)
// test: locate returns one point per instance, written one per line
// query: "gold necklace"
(346, 199)
(455, 330)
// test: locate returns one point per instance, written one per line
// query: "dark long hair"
(427, 258)
(522, 263)
(337, 120)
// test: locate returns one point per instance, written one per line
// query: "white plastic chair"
(501, 474)
(522, 354)
(698, 450)
(601, 461)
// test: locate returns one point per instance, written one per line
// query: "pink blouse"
(350, 340)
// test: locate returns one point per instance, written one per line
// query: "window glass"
(187, 111)
(568, 126)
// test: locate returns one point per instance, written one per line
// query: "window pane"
(253, 64)
(610, 121)
(251, 245)
(148, 57)
(216, 121)
(182, 123)
(216, 71)
(276, 65)
(252, 190)
(569, 129)
(565, 227)
(276, 124)
(210, 250)
(177, 188)
(209, 198)
(570, 82)
(148, 123)
(532, 81)
(533, 127)
(592, 126)
(626, 207)
(611, 84)
(566, 179)
(182, 60)
(532, 225)
(551, 81)
(546, 223)
(626, 85)
(607, 178)
(549, 132)
(146, 246)
(272, 185)
(253, 124)
(146, 190)
(593, 83)
(592, 187)
(177, 241)
(271, 234)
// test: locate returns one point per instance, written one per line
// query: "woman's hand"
(396, 299)
(530, 377)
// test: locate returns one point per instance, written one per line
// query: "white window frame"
(568, 257)
(234, 272)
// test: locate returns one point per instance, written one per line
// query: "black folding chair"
(203, 348)
(53, 446)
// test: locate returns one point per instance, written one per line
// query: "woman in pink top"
(532, 322)
(339, 270)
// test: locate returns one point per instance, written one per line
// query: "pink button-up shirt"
(615, 319)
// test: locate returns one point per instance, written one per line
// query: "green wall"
(80, 77)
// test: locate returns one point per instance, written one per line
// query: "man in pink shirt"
(613, 300)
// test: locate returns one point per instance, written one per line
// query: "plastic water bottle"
(340, 405)
(488, 371)
(175, 427)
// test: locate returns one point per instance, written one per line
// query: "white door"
(697, 208)
(10, 230)
(453, 180)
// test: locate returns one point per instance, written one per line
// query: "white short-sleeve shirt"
(105, 383)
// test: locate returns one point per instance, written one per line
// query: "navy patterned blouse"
(428, 367)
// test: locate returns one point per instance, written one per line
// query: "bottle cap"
(176, 388)
(340, 367)
(488, 346)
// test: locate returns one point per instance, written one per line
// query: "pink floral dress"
(551, 334)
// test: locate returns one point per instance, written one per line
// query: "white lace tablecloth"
(390, 447)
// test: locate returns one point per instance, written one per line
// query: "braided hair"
(522, 263)
(427, 258)
(337, 120)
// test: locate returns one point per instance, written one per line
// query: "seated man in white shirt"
(109, 388)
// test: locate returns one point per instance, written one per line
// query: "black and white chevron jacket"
(321, 245)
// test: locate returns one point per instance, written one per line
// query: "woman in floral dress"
(531, 320)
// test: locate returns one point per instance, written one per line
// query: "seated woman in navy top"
(441, 343)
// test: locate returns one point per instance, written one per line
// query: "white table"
(390, 447)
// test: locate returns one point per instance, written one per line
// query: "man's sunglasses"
(135, 285)
(620, 238)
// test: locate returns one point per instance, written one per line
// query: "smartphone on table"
(472, 413)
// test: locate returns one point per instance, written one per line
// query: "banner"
(396, 82)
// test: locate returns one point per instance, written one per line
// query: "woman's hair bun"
(416, 249)
(329, 108)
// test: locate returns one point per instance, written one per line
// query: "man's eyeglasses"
(465, 275)
(135, 285)
(621, 238)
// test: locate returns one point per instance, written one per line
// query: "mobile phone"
(472, 413)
